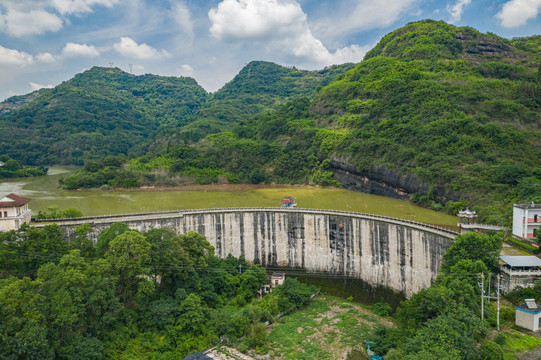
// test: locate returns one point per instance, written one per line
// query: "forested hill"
(259, 86)
(99, 112)
(446, 114)
(105, 111)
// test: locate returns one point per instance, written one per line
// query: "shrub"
(491, 351)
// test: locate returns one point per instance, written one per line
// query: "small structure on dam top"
(467, 216)
(14, 212)
(288, 202)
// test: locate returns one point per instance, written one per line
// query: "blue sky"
(45, 42)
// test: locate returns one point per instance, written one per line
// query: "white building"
(526, 220)
(528, 315)
(14, 212)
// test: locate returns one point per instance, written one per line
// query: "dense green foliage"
(13, 169)
(53, 212)
(258, 87)
(443, 322)
(103, 111)
(132, 295)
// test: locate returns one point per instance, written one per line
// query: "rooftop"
(467, 213)
(197, 356)
(535, 309)
(13, 200)
(521, 261)
(528, 206)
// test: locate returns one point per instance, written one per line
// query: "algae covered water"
(44, 191)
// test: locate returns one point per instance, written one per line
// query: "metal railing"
(178, 213)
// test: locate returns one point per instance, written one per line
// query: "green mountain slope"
(99, 112)
(259, 86)
(444, 111)
(446, 115)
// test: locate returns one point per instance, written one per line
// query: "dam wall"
(401, 255)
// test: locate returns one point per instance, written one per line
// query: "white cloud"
(281, 26)
(515, 13)
(456, 10)
(256, 19)
(34, 22)
(34, 17)
(185, 70)
(35, 86)
(45, 57)
(353, 16)
(14, 57)
(80, 6)
(183, 17)
(73, 49)
(129, 48)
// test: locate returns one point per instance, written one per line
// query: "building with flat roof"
(14, 212)
(526, 220)
(528, 315)
(519, 271)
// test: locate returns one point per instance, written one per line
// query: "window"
(5, 214)
(535, 218)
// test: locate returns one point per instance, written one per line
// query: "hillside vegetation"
(99, 112)
(156, 295)
(454, 112)
(105, 111)
(445, 114)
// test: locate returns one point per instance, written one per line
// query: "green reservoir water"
(44, 192)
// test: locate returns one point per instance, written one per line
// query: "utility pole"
(498, 292)
(482, 297)
(489, 279)
(497, 297)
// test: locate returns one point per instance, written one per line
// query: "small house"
(519, 271)
(277, 279)
(1, 164)
(14, 212)
(526, 220)
(528, 315)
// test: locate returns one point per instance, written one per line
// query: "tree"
(129, 256)
(82, 242)
(474, 246)
(170, 261)
(107, 235)
(193, 315)
(23, 329)
(197, 247)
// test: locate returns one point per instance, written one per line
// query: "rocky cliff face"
(381, 180)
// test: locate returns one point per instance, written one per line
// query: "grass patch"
(328, 328)
(517, 341)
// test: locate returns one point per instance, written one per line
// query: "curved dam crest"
(401, 255)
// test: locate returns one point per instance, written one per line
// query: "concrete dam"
(401, 255)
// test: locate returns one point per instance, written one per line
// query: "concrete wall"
(401, 255)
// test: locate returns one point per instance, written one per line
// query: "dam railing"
(179, 213)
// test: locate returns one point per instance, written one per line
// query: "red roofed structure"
(14, 212)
